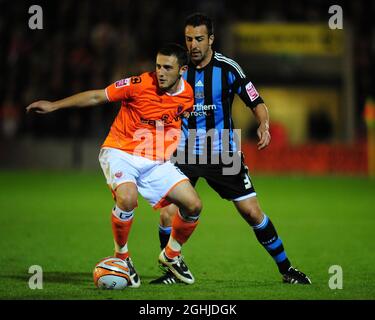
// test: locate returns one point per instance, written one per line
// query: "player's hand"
(264, 136)
(41, 106)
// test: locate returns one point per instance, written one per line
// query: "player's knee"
(127, 206)
(199, 206)
(194, 207)
(127, 196)
(254, 214)
(192, 211)
(126, 202)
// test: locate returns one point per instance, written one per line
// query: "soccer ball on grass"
(111, 273)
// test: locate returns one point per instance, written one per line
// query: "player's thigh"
(121, 171)
(155, 184)
(118, 167)
(234, 187)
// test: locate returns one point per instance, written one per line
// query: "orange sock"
(122, 256)
(121, 231)
(171, 253)
(181, 232)
(181, 229)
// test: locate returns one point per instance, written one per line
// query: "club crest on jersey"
(118, 174)
(251, 91)
(199, 95)
(122, 83)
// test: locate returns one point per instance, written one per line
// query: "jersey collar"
(182, 88)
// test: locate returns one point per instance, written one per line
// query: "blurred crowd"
(89, 44)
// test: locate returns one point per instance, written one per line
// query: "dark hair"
(174, 49)
(199, 19)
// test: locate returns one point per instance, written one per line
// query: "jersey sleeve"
(123, 89)
(245, 88)
(249, 94)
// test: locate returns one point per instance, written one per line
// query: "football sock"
(267, 236)
(164, 233)
(121, 224)
(173, 248)
(182, 228)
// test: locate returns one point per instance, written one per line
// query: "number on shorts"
(247, 182)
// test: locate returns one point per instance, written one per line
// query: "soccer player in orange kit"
(135, 155)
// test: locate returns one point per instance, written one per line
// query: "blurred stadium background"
(316, 81)
(318, 84)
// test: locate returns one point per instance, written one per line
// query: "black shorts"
(230, 187)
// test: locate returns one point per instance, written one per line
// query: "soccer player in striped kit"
(215, 80)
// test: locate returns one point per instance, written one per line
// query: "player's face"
(198, 43)
(168, 72)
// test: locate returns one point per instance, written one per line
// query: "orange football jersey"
(149, 121)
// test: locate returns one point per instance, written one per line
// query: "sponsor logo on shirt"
(202, 110)
(122, 83)
(251, 91)
(164, 120)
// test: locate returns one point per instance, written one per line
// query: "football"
(111, 273)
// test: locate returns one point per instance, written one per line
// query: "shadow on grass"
(67, 277)
(54, 277)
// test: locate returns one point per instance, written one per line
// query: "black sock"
(268, 238)
(164, 233)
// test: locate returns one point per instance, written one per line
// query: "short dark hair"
(174, 49)
(199, 19)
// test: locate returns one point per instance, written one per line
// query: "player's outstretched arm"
(261, 113)
(84, 99)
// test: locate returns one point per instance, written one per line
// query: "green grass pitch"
(61, 222)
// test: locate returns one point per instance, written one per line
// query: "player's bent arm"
(81, 100)
(261, 113)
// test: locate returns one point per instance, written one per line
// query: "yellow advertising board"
(288, 39)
